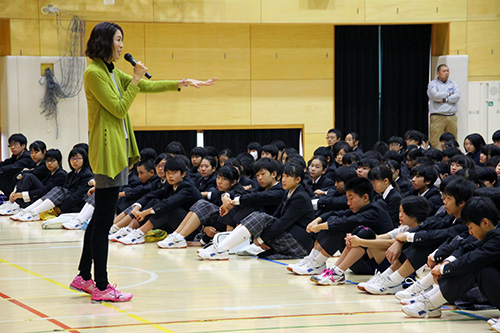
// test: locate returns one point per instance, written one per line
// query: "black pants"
(95, 243)
(29, 182)
(487, 279)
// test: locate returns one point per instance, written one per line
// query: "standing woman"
(112, 147)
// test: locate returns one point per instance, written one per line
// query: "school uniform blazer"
(14, 164)
(486, 253)
(323, 184)
(435, 230)
(373, 216)
(133, 179)
(392, 202)
(136, 192)
(266, 201)
(475, 157)
(39, 170)
(207, 184)
(454, 247)
(332, 200)
(245, 181)
(433, 197)
(184, 196)
(50, 181)
(78, 185)
(292, 215)
(404, 185)
(330, 172)
(106, 112)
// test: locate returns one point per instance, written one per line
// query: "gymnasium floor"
(175, 292)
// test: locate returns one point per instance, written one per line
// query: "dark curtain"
(356, 81)
(405, 75)
(405, 51)
(158, 140)
(237, 140)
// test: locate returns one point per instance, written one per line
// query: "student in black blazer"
(423, 178)
(317, 180)
(207, 176)
(387, 191)
(19, 160)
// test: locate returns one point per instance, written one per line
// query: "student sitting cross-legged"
(477, 265)
(282, 235)
(331, 233)
(166, 207)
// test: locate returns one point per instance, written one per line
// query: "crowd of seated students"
(388, 211)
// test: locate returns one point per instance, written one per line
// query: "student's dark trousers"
(27, 183)
(487, 279)
(95, 242)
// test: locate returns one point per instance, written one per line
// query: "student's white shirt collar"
(386, 192)
(317, 180)
(291, 192)
(424, 193)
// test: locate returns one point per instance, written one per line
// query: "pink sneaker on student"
(79, 284)
(110, 295)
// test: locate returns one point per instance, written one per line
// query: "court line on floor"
(131, 315)
(38, 313)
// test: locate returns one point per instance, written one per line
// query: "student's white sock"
(177, 236)
(314, 253)
(338, 270)
(396, 277)
(236, 237)
(321, 259)
(427, 281)
(437, 299)
(387, 272)
(85, 213)
(34, 205)
(114, 228)
(43, 207)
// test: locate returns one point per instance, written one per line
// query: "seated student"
(387, 191)
(487, 176)
(208, 175)
(332, 137)
(335, 199)
(68, 198)
(332, 227)
(205, 212)
(282, 235)
(488, 151)
(164, 208)
(365, 165)
(130, 194)
(327, 153)
(403, 182)
(449, 152)
(245, 181)
(19, 160)
(339, 150)
(124, 219)
(423, 178)
(473, 143)
(280, 144)
(419, 242)
(459, 162)
(445, 137)
(495, 137)
(254, 149)
(288, 152)
(30, 188)
(380, 147)
(476, 265)
(175, 148)
(269, 151)
(352, 138)
(364, 243)
(414, 138)
(317, 182)
(37, 150)
(197, 155)
(351, 159)
(224, 155)
(412, 155)
(396, 143)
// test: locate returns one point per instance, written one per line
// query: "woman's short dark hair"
(295, 170)
(344, 174)
(82, 152)
(100, 43)
(54, 154)
(476, 140)
(211, 160)
(416, 206)
(38, 146)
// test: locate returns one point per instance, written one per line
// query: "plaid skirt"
(57, 195)
(285, 246)
(206, 211)
(91, 200)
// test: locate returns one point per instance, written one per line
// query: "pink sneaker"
(79, 284)
(110, 295)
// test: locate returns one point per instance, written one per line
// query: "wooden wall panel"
(483, 10)
(177, 51)
(5, 38)
(123, 10)
(483, 48)
(406, 11)
(25, 37)
(285, 51)
(308, 102)
(225, 103)
(440, 39)
(312, 11)
(313, 141)
(458, 38)
(20, 9)
(218, 11)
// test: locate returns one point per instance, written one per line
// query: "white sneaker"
(496, 326)
(310, 267)
(212, 253)
(250, 250)
(74, 224)
(422, 310)
(290, 267)
(29, 217)
(18, 215)
(134, 237)
(373, 279)
(329, 277)
(9, 208)
(383, 285)
(492, 321)
(418, 298)
(171, 242)
(122, 232)
(412, 291)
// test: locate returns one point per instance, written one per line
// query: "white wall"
(21, 95)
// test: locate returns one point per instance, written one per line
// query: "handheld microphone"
(132, 61)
